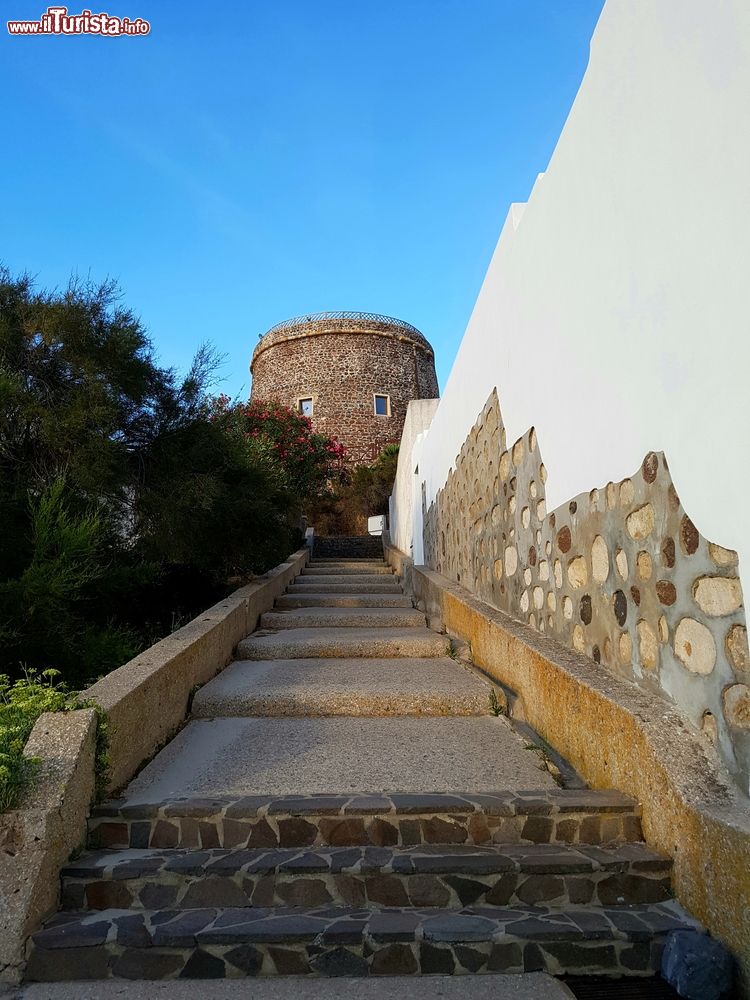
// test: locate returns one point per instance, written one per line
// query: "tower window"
(382, 406)
(306, 406)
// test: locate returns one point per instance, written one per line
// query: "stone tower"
(353, 373)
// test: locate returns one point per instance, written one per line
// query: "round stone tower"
(352, 373)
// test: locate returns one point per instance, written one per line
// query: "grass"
(497, 706)
(542, 750)
(21, 704)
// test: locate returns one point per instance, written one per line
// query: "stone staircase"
(342, 804)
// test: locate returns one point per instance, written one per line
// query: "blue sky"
(282, 157)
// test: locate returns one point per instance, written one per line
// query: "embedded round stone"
(577, 572)
(722, 556)
(648, 645)
(621, 561)
(579, 640)
(737, 706)
(627, 493)
(625, 646)
(585, 609)
(666, 592)
(620, 606)
(650, 467)
(694, 646)
(640, 523)
(668, 552)
(644, 565)
(599, 559)
(511, 560)
(567, 608)
(564, 539)
(558, 574)
(717, 595)
(689, 537)
(709, 727)
(518, 452)
(737, 648)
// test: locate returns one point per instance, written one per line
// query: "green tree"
(125, 505)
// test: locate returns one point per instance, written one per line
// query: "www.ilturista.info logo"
(57, 21)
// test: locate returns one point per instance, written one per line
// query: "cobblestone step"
(335, 941)
(345, 585)
(321, 617)
(342, 600)
(368, 877)
(350, 642)
(347, 569)
(555, 816)
(350, 563)
(432, 686)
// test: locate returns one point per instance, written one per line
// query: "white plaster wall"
(615, 314)
(419, 414)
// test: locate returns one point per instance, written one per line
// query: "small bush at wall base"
(21, 704)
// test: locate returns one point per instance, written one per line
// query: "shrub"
(21, 704)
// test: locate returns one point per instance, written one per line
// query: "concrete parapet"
(146, 699)
(37, 839)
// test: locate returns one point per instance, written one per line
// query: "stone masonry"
(341, 361)
(620, 574)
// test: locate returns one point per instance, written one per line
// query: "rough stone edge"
(38, 838)
(617, 736)
(146, 699)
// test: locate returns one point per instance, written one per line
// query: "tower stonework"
(353, 373)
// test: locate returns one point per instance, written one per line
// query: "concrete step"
(349, 642)
(343, 618)
(262, 756)
(347, 569)
(528, 986)
(345, 585)
(323, 687)
(351, 563)
(368, 877)
(343, 600)
(336, 941)
(185, 820)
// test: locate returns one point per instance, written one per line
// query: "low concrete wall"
(36, 840)
(146, 699)
(618, 736)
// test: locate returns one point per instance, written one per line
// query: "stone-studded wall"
(620, 574)
(342, 371)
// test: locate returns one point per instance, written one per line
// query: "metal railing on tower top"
(322, 317)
